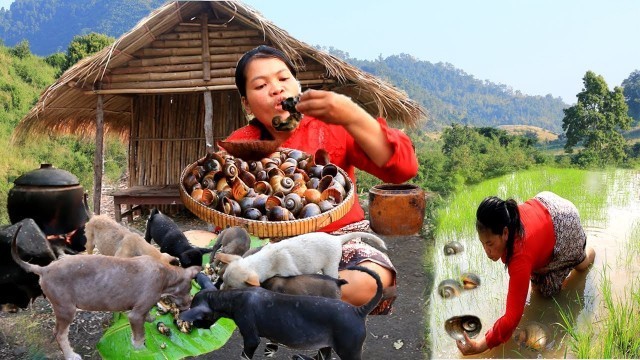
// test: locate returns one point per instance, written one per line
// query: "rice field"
(609, 206)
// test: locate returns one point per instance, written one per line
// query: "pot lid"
(47, 175)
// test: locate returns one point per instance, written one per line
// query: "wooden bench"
(136, 197)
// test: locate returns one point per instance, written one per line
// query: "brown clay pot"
(396, 209)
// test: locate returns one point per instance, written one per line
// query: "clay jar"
(396, 209)
(52, 197)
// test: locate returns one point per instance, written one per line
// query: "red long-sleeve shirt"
(313, 134)
(531, 252)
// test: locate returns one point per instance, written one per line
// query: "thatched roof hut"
(148, 86)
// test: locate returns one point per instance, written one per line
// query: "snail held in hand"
(458, 325)
(291, 122)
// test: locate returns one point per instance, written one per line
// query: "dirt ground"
(28, 334)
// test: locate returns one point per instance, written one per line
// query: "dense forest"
(449, 94)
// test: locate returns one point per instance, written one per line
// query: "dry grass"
(542, 134)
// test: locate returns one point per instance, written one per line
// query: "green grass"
(615, 334)
(588, 190)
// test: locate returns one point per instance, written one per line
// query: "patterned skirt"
(569, 249)
(356, 251)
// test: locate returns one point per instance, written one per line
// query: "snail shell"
(293, 203)
(309, 210)
(260, 201)
(449, 288)
(212, 165)
(326, 205)
(456, 325)
(279, 213)
(196, 194)
(313, 196)
(189, 181)
(209, 198)
(453, 247)
(470, 280)
(251, 213)
(239, 189)
(164, 305)
(183, 326)
(163, 329)
(533, 335)
(321, 157)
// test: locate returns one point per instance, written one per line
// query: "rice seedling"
(615, 333)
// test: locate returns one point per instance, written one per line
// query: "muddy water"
(609, 228)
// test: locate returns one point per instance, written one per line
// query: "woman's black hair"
(495, 214)
(260, 52)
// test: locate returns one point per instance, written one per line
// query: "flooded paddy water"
(609, 206)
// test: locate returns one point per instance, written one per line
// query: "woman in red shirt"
(352, 137)
(540, 241)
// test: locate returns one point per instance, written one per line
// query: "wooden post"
(206, 60)
(208, 122)
(98, 156)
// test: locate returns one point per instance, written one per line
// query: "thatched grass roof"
(69, 105)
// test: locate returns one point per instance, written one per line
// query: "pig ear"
(253, 280)
(227, 258)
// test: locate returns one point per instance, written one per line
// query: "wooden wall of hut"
(167, 133)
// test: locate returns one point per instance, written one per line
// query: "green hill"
(49, 25)
(453, 96)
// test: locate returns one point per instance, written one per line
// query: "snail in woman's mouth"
(291, 122)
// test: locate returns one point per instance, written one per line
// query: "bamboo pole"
(98, 156)
(183, 75)
(170, 83)
(161, 44)
(218, 34)
(208, 123)
(163, 80)
(212, 25)
(191, 89)
(178, 60)
(162, 90)
(133, 133)
(171, 68)
(206, 62)
(188, 51)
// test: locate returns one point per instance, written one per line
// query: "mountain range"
(450, 95)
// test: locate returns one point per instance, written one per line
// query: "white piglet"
(303, 254)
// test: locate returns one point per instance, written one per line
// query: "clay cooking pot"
(52, 197)
(396, 209)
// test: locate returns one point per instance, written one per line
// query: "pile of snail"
(286, 185)
(165, 305)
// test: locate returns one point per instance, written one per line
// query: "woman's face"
(269, 81)
(494, 245)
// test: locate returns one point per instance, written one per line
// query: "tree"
(596, 122)
(85, 45)
(631, 86)
(21, 50)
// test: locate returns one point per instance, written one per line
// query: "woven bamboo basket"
(267, 229)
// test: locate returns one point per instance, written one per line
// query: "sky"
(538, 47)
